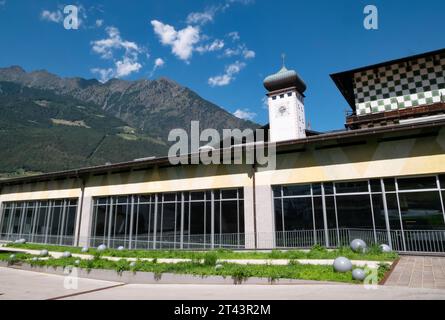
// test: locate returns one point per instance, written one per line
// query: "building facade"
(381, 179)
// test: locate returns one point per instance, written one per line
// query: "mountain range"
(49, 123)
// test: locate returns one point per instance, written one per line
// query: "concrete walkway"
(19, 284)
(418, 272)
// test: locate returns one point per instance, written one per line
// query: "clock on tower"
(287, 120)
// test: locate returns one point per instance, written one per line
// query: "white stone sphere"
(358, 245)
(358, 274)
(12, 257)
(342, 264)
(120, 248)
(66, 254)
(218, 266)
(35, 259)
(385, 248)
(132, 264)
(102, 247)
(20, 241)
(77, 262)
(85, 249)
(43, 253)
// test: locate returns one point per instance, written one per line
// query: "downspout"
(82, 187)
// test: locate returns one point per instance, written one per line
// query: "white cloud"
(159, 63)
(244, 114)
(214, 46)
(181, 42)
(99, 23)
(229, 75)
(249, 54)
(234, 35)
(127, 64)
(2, 3)
(105, 47)
(52, 16)
(201, 18)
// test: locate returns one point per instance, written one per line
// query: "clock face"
(282, 111)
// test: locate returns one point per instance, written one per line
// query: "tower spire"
(283, 58)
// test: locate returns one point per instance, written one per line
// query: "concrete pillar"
(265, 217)
(249, 227)
(85, 214)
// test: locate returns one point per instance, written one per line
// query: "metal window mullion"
(325, 217)
(61, 230)
(313, 216)
(441, 197)
(110, 219)
(155, 221)
(336, 214)
(22, 219)
(372, 211)
(35, 220)
(130, 236)
(385, 209)
(181, 245)
(400, 215)
(212, 227)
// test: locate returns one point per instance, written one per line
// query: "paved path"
(19, 284)
(23, 285)
(419, 272)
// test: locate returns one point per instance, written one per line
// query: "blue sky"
(222, 49)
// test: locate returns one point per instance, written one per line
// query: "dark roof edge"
(79, 173)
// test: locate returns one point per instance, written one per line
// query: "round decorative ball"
(43, 253)
(12, 257)
(66, 254)
(132, 264)
(358, 245)
(77, 262)
(358, 274)
(385, 248)
(218, 266)
(120, 248)
(102, 247)
(342, 264)
(20, 241)
(35, 259)
(85, 249)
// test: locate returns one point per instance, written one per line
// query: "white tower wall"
(287, 118)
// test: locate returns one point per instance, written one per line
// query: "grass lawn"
(317, 252)
(207, 268)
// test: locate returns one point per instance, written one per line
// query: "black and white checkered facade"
(402, 85)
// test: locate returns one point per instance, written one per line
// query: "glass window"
(6, 219)
(278, 215)
(442, 181)
(328, 188)
(196, 218)
(28, 220)
(318, 210)
(354, 212)
(393, 212)
(101, 221)
(276, 191)
(417, 183)
(297, 214)
(316, 189)
(379, 211)
(229, 216)
(376, 185)
(297, 190)
(330, 213)
(351, 187)
(421, 211)
(229, 194)
(390, 184)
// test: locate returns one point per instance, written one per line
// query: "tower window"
(274, 98)
(281, 96)
(289, 94)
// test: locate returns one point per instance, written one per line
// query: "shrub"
(210, 258)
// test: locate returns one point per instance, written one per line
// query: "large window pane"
(379, 211)
(354, 212)
(330, 213)
(298, 190)
(421, 211)
(17, 215)
(197, 218)
(297, 214)
(278, 215)
(417, 183)
(351, 187)
(318, 210)
(6, 219)
(393, 212)
(229, 216)
(28, 220)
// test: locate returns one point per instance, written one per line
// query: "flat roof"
(335, 138)
(344, 80)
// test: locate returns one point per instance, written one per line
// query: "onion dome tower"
(286, 105)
